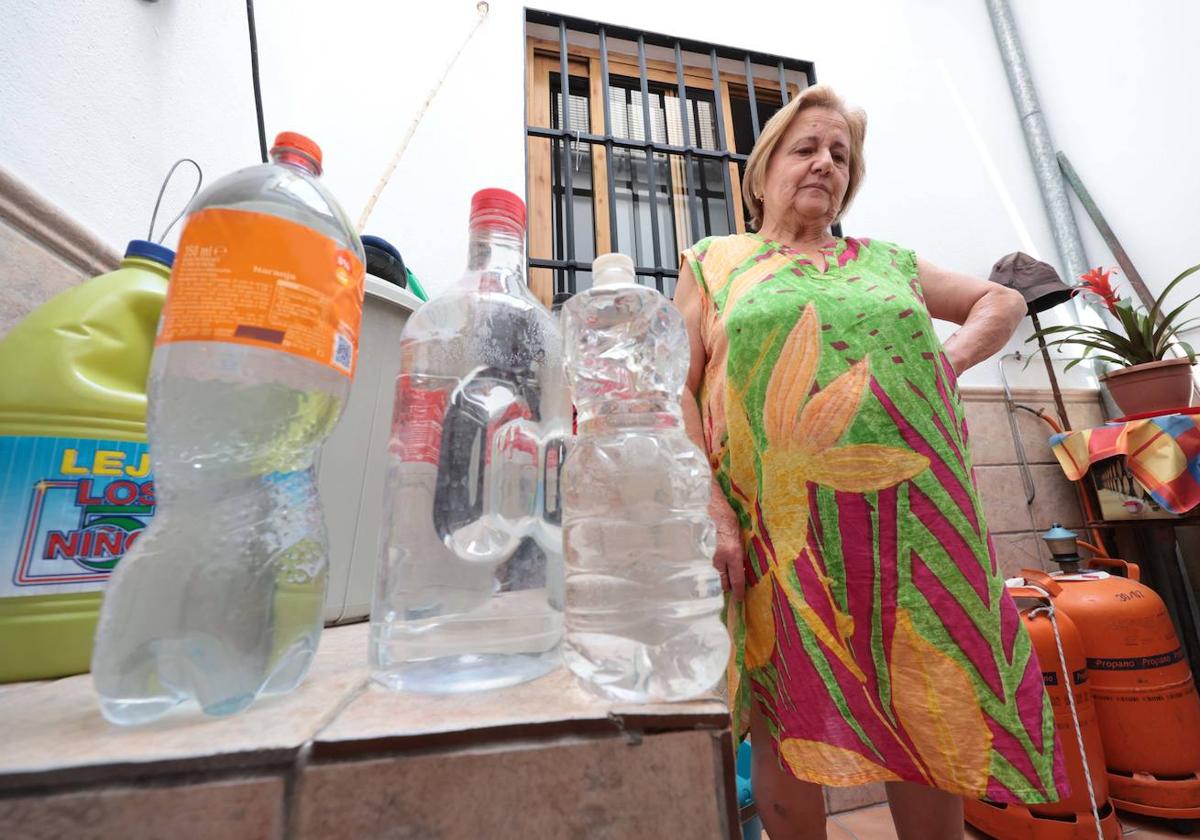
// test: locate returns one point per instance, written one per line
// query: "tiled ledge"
(993, 393)
(25, 210)
(342, 757)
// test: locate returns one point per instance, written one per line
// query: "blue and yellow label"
(69, 510)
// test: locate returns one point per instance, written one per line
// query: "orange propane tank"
(1143, 689)
(1071, 818)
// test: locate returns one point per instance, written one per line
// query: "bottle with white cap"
(643, 601)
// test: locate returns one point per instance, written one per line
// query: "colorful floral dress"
(876, 632)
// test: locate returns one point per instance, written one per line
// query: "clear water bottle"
(469, 589)
(221, 598)
(643, 600)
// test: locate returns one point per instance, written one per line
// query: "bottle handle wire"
(162, 190)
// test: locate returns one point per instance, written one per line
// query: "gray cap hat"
(1038, 282)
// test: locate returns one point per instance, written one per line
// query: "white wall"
(97, 99)
(1118, 82)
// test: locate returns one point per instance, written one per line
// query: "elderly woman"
(874, 638)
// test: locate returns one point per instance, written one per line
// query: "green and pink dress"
(876, 633)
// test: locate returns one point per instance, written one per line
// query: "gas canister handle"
(1127, 569)
(1043, 580)
(1028, 592)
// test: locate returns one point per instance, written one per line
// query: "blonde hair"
(817, 96)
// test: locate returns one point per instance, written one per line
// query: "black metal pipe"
(685, 116)
(753, 97)
(640, 145)
(568, 210)
(705, 215)
(648, 132)
(585, 265)
(722, 141)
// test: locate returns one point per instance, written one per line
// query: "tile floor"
(875, 823)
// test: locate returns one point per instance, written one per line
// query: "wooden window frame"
(543, 59)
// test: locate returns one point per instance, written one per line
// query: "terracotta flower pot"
(1150, 387)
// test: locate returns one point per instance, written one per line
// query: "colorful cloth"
(876, 633)
(1163, 453)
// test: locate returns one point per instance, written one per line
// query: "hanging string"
(163, 189)
(1050, 611)
(482, 9)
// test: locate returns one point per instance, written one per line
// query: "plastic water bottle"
(469, 589)
(221, 598)
(642, 597)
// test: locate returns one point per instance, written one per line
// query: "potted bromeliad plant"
(1148, 377)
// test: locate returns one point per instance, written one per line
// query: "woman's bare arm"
(988, 312)
(730, 555)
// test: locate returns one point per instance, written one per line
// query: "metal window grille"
(684, 124)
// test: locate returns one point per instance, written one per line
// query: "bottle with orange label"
(221, 598)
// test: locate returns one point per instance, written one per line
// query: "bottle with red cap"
(469, 589)
(221, 598)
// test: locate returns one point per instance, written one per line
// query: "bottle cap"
(299, 143)
(610, 269)
(150, 251)
(495, 205)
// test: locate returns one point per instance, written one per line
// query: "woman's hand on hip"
(988, 312)
(730, 557)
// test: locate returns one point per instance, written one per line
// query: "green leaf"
(1140, 329)
(1109, 359)
(1168, 324)
(1163, 297)
(1072, 332)
(1119, 344)
(1183, 326)
(1134, 329)
(1095, 345)
(1187, 348)
(1147, 336)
